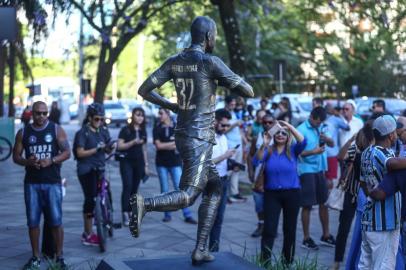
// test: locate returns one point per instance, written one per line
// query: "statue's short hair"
(201, 25)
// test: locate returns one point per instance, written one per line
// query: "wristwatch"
(53, 160)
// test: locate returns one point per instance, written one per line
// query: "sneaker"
(240, 197)
(167, 219)
(60, 264)
(329, 241)
(237, 199)
(190, 220)
(126, 219)
(90, 240)
(137, 213)
(33, 264)
(258, 230)
(309, 244)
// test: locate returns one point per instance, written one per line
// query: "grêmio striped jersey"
(378, 215)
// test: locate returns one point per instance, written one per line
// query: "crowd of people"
(292, 170)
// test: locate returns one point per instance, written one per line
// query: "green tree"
(117, 22)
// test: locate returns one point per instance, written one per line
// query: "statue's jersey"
(195, 75)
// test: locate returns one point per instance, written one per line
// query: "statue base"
(224, 260)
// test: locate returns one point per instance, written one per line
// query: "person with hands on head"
(281, 186)
(91, 144)
(132, 141)
(312, 165)
(45, 146)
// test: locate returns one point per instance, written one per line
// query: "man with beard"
(195, 73)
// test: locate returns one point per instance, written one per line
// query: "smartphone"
(275, 128)
(236, 147)
(322, 143)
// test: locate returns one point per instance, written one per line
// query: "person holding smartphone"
(91, 144)
(268, 122)
(312, 165)
(132, 141)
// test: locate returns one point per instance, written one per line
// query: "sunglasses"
(268, 122)
(98, 119)
(225, 125)
(139, 114)
(41, 113)
(346, 109)
(281, 132)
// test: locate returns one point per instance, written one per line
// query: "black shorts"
(314, 189)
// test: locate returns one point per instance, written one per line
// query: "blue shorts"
(259, 201)
(46, 198)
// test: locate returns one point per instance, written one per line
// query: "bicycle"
(103, 212)
(5, 149)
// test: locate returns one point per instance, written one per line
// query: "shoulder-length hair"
(288, 145)
(134, 111)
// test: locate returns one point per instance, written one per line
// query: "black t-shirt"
(166, 158)
(135, 152)
(88, 139)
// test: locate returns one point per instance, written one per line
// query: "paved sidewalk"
(156, 237)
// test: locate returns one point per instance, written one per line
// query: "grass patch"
(277, 263)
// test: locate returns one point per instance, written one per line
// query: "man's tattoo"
(64, 145)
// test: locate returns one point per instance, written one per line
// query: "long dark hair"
(142, 125)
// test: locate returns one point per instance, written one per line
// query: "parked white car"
(301, 106)
(116, 113)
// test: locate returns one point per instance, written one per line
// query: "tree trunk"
(232, 33)
(103, 76)
(3, 56)
(11, 66)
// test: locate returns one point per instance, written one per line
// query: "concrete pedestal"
(224, 260)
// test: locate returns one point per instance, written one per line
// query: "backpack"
(75, 143)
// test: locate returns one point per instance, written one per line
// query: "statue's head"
(203, 32)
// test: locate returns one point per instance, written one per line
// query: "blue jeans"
(214, 241)
(175, 173)
(45, 198)
(259, 201)
(355, 249)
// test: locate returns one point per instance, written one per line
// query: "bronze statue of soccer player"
(195, 73)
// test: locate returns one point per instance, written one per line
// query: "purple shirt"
(280, 171)
(393, 182)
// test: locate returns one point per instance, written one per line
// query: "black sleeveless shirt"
(43, 144)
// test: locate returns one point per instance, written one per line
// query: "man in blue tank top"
(45, 146)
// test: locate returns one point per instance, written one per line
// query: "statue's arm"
(229, 79)
(156, 80)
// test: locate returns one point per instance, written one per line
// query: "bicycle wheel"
(108, 216)
(5, 149)
(101, 232)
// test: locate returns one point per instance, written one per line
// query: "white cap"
(385, 124)
(353, 104)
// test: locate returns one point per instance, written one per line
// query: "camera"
(231, 164)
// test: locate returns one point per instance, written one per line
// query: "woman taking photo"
(281, 187)
(133, 158)
(91, 143)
